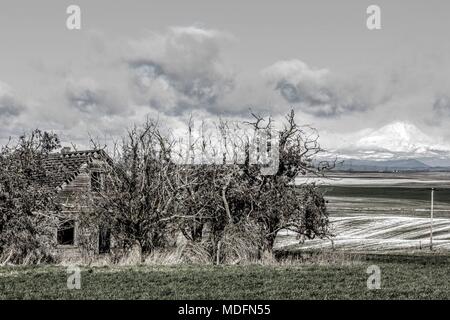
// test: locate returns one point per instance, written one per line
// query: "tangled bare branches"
(26, 232)
(220, 197)
(228, 206)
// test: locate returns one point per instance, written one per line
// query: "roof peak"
(66, 151)
(65, 166)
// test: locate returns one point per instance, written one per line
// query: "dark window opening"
(66, 233)
(96, 181)
(104, 240)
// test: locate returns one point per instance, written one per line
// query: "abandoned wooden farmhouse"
(76, 175)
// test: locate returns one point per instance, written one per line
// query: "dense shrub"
(27, 208)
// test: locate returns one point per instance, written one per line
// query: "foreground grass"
(401, 278)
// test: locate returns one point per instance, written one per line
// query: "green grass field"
(423, 277)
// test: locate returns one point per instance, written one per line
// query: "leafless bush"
(140, 189)
(28, 213)
(231, 196)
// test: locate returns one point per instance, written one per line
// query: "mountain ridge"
(395, 146)
(385, 165)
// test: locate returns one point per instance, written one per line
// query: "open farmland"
(382, 212)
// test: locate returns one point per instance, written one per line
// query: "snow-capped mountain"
(401, 137)
(396, 140)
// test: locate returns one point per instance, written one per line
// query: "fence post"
(431, 218)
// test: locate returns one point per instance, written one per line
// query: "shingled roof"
(63, 167)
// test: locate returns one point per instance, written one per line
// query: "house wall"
(74, 198)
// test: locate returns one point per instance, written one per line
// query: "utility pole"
(431, 218)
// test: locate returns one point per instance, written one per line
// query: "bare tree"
(280, 203)
(140, 190)
(236, 197)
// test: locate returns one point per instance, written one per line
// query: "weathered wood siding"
(74, 198)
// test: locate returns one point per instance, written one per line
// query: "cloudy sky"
(170, 59)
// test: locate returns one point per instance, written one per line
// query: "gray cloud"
(86, 96)
(317, 91)
(441, 106)
(10, 106)
(180, 71)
